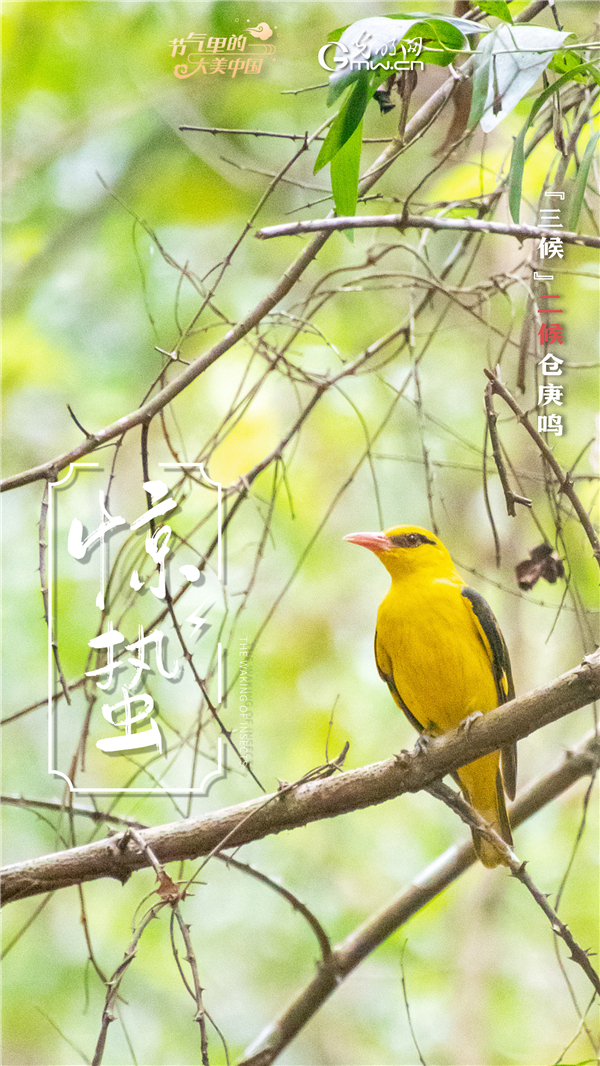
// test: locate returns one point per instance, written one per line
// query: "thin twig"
(267, 133)
(85, 812)
(190, 958)
(248, 133)
(43, 552)
(565, 482)
(26, 924)
(115, 982)
(492, 418)
(77, 422)
(87, 936)
(227, 733)
(297, 904)
(486, 497)
(407, 1007)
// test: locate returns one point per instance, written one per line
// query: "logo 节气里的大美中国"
(230, 56)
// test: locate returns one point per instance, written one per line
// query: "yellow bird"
(440, 651)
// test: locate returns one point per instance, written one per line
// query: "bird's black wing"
(493, 641)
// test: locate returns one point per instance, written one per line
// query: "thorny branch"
(267, 133)
(114, 982)
(169, 895)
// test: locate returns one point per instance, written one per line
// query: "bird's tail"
(481, 782)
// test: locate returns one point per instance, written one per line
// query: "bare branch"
(578, 954)
(200, 1016)
(268, 133)
(115, 983)
(60, 808)
(296, 903)
(248, 133)
(402, 222)
(492, 418)
(175, 387)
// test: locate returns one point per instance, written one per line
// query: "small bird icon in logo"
(263, 30)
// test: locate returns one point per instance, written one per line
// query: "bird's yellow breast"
(427, 640)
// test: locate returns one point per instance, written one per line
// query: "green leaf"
(567, 62)
(481, 77)
(344, 177)
(564, 62)
(517, 162)
(336, 34)
(338, 88)
(345, 122)
(581, 182)
(498, 8)
(446, 40)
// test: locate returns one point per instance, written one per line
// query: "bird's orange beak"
(375, 542)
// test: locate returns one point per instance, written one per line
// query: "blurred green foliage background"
(92, 156)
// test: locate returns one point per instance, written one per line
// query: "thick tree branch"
(429, 884)
(402, 222)
(313, 800)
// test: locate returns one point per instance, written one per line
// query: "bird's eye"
(409, 540)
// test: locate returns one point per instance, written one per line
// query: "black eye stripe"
(410, 540)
